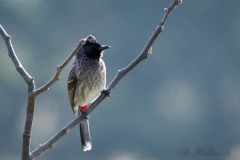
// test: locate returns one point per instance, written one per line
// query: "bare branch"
(64, 131)
(11, 53)
(28, 128)
(143, 55)
(51, 142)
(32, 93)
(31, 100)
(56, 77)
(120, 74)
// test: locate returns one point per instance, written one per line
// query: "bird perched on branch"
(86, 80)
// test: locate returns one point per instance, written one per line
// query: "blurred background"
(181, 103)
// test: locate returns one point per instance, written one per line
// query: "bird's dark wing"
(72, 83)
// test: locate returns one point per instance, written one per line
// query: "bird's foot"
(107, 92)
(82, 111)
(84, 114)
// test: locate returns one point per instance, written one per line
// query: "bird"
(86, 81)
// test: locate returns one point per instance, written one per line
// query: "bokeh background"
(181, 103)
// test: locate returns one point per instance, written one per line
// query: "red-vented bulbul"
(86, 80)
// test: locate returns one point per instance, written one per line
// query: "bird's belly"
(88, 92)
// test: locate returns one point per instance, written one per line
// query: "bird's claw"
(107, 92)
(83, 113)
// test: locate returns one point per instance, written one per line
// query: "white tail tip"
(87, 147)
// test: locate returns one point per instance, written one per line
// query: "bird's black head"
(92, 49)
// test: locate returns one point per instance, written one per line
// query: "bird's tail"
(85, 134)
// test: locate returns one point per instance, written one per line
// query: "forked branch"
(11, 53)
(120, 74)
(56, 77)
(33, 93)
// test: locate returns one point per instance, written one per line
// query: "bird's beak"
(103, 47)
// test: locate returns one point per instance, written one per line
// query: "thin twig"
(32, 93)
(52, 141)
(143, 55)
(56, 77)
(11, 53)
(120, 74)
(31, 100)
